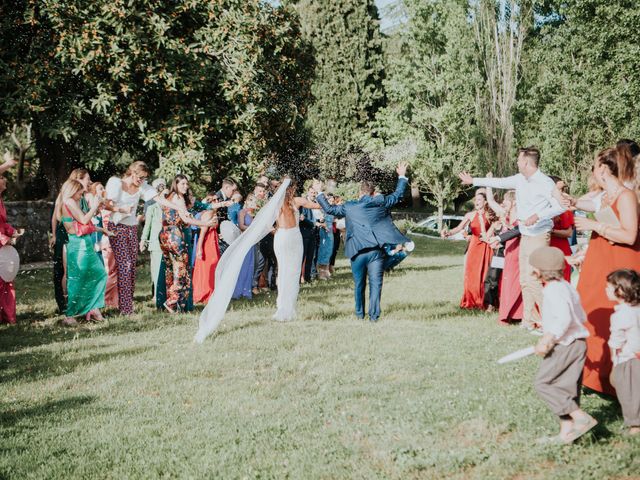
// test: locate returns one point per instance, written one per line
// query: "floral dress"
(175, 252)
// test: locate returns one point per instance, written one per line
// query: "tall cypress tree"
(347, 87)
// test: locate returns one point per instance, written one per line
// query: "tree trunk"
(55, 156)
(415, 196)
(440, 213)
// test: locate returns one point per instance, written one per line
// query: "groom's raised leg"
(359, 271)
(375, 270)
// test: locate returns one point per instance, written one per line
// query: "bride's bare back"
(288, 216)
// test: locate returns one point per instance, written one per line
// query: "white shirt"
(533, 196)
(625, 333)
(562, 312)
(123, 199)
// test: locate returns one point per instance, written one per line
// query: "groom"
(369, 229)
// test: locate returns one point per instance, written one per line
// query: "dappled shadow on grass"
(607, 413)
(9, 417)
(432, 310)
(43, 364)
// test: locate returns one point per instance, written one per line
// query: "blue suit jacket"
(368, 220)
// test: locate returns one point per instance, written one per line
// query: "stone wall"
(35, 218)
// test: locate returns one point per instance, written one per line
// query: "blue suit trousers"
(368, 264)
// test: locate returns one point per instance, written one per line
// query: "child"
(562, 347)
(623, 287)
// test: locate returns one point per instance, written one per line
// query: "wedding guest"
(228, 188)
(150, 239)
(338, 231)
(479, 253)
(96, 190)
(308, 229)
(125, 193)
(235, 207)
(563, 227)
(8, 236)
(614, 245)
(86, 276)
(244, 285)
(325, 249)
(175, 249)
(562, 347)
(623, 288)
(510, 303)
(207, 256)
(59, 239)
(536, 207)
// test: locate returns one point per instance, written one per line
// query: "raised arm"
(306, 203)
(505, 183)
(395, 197)
(495, 206)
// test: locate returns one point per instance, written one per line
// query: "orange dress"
(601, 259)
(562, 222)
(477, 263)
(204, 271)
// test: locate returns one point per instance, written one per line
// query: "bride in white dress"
(283, 208)
(287, 245)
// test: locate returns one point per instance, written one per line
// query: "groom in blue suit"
(369, 228)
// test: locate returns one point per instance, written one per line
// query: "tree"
(500, 28)
(431, 87)
(581, 79)
(347, 87)
(218, 86)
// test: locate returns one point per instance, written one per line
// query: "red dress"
(477, 263)
(562, 222)
(601, 259)
(204, 272)
(511, 293)
(7, 291)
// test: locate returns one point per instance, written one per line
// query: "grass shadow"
(10, 417)
(39, 365)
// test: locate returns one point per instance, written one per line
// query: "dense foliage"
(347, 87)
(214, 87)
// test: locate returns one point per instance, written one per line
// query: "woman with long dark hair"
(174, 246)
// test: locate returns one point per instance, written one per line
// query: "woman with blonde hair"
(59, 239)
(86, 276)
(126, 193)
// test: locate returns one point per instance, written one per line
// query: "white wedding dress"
(287, 245)
(230, 263)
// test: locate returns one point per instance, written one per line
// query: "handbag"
(497, 262)
(83, 229)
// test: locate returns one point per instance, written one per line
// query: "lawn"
(418, 395)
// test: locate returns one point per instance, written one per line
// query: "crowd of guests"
(504, 271)
(95, 240)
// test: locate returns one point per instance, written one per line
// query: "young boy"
(623, 287)
(562, 347)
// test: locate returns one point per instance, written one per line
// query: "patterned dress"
(176, 258)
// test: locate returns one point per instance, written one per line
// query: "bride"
(283, 208)
(287, 245)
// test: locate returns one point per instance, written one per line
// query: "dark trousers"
(271, 265)
(309, 246)
(58, 268)
(336, 247)
(369, 263)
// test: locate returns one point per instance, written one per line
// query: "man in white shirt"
(536, 208)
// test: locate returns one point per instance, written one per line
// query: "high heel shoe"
(168, 308)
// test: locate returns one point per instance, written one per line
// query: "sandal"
(168, 308)
(581, 426)
(69, 322)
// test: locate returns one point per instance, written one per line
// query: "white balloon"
(9, 263)
(229, 231)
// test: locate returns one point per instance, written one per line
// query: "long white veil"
(230, 263)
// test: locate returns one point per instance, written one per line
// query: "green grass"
(417, 395)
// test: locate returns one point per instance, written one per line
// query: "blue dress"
(245, 279)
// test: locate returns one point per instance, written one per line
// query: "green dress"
(86, 275)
